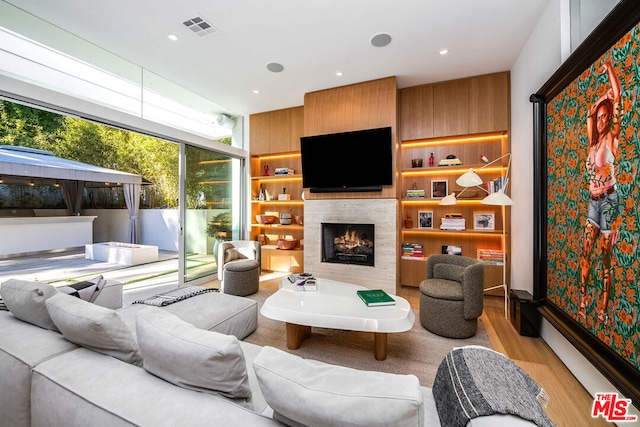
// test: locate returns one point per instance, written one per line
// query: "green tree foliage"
(154, 159)
(77, 139)
(29, 127)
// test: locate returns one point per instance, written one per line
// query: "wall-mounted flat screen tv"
(348, 161)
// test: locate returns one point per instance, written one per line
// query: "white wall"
(158, 227)
(538, 60)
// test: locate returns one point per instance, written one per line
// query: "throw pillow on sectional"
(97, 328)
(209, 361)
(309, 392)
(26, 301)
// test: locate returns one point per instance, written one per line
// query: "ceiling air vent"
(200, 26)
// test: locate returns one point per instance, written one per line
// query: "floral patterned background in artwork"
(568, 194)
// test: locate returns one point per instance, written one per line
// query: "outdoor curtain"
(72, 193)
(132, 199)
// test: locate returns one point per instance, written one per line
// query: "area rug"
(417, 351)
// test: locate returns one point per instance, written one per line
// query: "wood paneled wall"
(367, 105)
(472, 105)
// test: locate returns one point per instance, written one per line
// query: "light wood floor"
(569, 403)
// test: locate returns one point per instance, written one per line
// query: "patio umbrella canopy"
(23, 165)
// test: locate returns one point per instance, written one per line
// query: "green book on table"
(375, 297)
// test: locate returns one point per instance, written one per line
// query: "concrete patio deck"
(59, 268)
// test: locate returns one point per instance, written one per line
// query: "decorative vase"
(285, 218)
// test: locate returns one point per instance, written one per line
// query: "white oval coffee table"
(335, 305)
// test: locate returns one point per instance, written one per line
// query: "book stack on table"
(450, 162)
(412, 251)
(491, 256)
(375, 297)
(453, 221)
(304, 282)
(415, 194)
(283, 171)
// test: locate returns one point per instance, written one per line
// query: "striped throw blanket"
(174, 295)
(475, 381)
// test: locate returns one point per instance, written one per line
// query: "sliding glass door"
(211, 210)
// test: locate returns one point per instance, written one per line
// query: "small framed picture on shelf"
(484, 221)
(439, 188)
(425, 219)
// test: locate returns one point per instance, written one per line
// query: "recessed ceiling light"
(256, 91)
(444, 51)
(380, 39)
(339, 73)
(173, 37)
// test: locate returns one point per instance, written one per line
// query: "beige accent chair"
(452, 295)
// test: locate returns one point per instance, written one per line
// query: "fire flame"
(349, 239)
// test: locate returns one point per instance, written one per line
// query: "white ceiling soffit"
(312, 40)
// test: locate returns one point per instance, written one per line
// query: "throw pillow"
(308, 392)
(26, 301)
(87, 290)
(448, 272)
(192, 358)
(231, 254)
(97, 328)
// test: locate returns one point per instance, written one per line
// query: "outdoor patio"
(59, 268)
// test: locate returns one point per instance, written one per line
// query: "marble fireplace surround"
(383, 213)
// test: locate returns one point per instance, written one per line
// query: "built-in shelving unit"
(469, 149)
(275, 259)
(275, 143)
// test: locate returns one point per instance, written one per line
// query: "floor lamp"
(499, 198)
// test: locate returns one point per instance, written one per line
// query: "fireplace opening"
(348, 243)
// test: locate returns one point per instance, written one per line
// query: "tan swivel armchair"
(452, 295)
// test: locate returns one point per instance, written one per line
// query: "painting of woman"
(603, 130)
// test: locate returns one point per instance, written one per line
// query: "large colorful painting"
(591, 228)
(593, 151)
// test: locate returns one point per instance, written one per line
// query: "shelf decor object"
(498, 197)
(280, 204)
(470, 178)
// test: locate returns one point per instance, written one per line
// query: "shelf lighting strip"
(280, 202)
(440, 171)
(494, 233)
(278, 178)
(421, 201)
(278, 156)
(466, 140)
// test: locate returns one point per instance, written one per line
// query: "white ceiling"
(312, 39)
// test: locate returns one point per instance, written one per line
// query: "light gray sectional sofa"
(183, 364)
